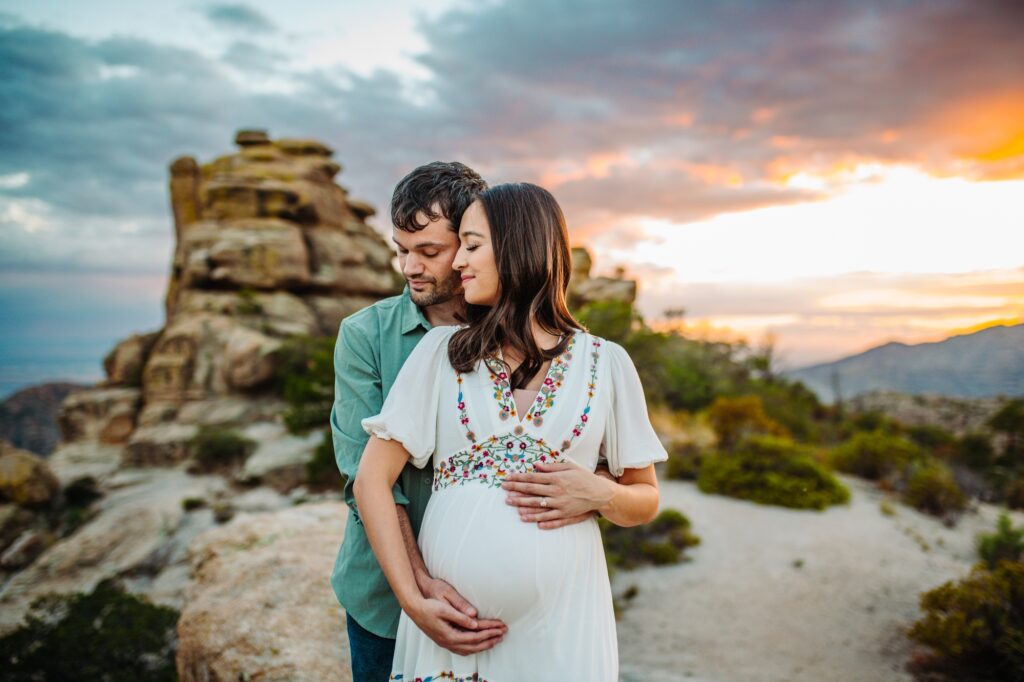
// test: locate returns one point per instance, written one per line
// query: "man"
(372, 345)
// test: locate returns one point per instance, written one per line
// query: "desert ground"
(780, 595)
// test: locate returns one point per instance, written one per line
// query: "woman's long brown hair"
(531, 252)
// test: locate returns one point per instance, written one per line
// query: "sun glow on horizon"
(893, 254)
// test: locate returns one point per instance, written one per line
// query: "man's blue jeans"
(371, 654)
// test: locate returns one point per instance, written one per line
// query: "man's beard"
(441, 292)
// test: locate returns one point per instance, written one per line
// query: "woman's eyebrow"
(471, 232)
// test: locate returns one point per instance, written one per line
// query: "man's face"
(425, 258)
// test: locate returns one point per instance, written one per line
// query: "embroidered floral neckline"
(502, 388)
(491, 460)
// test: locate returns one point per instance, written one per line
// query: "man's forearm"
(419, 567)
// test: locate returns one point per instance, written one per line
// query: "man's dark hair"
(449, 184)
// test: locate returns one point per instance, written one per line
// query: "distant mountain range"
(989, 362)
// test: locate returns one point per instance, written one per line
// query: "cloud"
(626, 110)
(238, 17)
(249, 56)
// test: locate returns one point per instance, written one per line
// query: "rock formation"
(267, 248)
(585, 289)
(261, 606)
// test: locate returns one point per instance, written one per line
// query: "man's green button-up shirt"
(372, 345)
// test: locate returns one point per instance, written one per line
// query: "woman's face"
(475, 258)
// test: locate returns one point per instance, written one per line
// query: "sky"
(825, 176)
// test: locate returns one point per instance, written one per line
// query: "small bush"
(1014, 494)
(82, 492)
(935, 439)
(1007, 543)
(305, 379)
(683, 462)
(612, 320)
(975, 628)
(659, 542)
(107, 635)
(734, 418)
(932, 489)
(322, 470)
(193, 503)
(771, 470)
(216, 448)
(875, 454)
(975, 450)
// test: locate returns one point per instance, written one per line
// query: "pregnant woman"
(521, 384)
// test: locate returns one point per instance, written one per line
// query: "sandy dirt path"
(741, 611)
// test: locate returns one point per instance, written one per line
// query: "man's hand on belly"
(557, 495)
(448, 619)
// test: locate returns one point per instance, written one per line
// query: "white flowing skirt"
(550, 587)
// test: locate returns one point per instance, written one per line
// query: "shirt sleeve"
(630, 441)
(409, 415)
(357, 394)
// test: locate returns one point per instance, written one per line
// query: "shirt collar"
(412, 314)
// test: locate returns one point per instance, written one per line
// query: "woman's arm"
(379, 468)
(572, 492)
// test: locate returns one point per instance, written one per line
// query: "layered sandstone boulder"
(260, 606)
(585, 289)
(267, 247)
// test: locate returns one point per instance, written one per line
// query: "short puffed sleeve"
(629, 439)
(409, 413)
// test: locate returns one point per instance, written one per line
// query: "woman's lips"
(466, 278)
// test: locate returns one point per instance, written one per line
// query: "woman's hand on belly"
(559, 494)
(452, 629)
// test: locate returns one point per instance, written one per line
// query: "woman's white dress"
(549, 586)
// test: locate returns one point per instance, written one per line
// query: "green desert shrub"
(931, 488)
(215, 448)
(975, 627)
(975, 450)
(734, 418)
(305, 379)
(1009, 421)
(1006, 543)
(322, 470)
(659, 542)
(612, 320)
(772, 470)
(1014, 494)
(107, 636)
(683, 462)
(934, 439)
(875, 454)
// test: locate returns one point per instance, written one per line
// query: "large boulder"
(124, 363)
(85, 458)
(105, 415)
(269, 569)
(280, 458)
(584, 289)
(25, 479)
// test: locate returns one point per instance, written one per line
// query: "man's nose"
(413, 265)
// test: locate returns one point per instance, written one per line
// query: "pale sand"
(740, 611)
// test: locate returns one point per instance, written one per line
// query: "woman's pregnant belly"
(507, 568)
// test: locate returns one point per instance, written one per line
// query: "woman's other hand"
(559, 494)
(452, 629)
